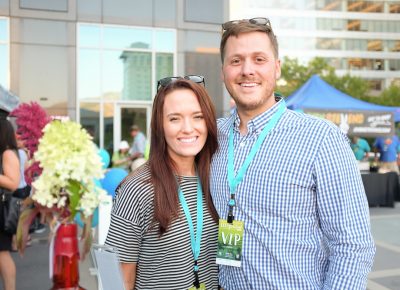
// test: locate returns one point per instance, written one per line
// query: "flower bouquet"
(70, 165)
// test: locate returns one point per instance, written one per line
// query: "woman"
(154, 206)
(9, 180)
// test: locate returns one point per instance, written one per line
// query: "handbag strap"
(1, 163)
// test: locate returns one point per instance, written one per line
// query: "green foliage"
(75, 189)
(353, 86)
(391, 96)
(295, 74)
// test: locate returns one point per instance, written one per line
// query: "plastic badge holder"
(106, 262)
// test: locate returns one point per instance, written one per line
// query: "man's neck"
(246, 116)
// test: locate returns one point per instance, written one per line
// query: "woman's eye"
(199, 117)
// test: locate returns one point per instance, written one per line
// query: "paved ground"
(32, 270)
(385, 223)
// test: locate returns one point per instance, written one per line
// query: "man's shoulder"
(294, 118)
(141, 135)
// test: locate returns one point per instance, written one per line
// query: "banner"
(359, 123)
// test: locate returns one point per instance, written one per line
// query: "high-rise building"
(357, 37)
(98, 61)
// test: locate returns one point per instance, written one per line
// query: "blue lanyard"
(194, 241)
(234, 181)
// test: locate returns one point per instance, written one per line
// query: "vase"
(66, 258)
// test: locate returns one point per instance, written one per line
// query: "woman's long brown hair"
(162, 167)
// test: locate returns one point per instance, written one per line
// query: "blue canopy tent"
(317, 94)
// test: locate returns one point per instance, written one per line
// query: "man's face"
(250, 71)
(134, 133)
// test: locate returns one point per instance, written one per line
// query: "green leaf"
(25, 220)
(75, 189)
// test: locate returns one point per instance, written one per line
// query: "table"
(382, 189)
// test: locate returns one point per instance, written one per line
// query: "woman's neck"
(186, 168)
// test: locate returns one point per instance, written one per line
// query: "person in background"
(24, 190)
(138, 144)
(389, 150)
(163, 222)
(9, 180)
(120, 158)
(288, 179)
(138, 149)
(360, 147)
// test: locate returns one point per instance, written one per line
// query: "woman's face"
(184, 126)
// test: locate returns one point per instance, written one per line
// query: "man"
(298, 191)
(389, 149)
(360, 147)
(139, 143)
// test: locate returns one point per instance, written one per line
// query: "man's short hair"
(134, 128)
(246, 27)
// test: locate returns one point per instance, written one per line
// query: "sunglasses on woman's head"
(260, 21)
(194, 78)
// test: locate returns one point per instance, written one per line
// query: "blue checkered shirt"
(303, 204)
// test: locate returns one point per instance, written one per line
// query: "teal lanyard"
(234, 181)
(194, 241)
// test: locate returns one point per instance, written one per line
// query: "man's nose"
(247, 67)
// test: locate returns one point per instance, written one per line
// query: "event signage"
(359, 123)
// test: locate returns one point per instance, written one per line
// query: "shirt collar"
(258, 123)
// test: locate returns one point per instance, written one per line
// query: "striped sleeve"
(129, 218)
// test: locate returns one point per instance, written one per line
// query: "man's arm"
(344, 215)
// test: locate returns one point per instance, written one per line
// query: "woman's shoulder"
(10, 154)
(135, 191)
(139, 178)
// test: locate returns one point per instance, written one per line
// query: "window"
(118, 63)
(4, 53)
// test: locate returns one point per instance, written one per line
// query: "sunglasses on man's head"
(194, 78)
(260, 21)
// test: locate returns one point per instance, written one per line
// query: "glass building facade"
(98, 62)
(360, 37)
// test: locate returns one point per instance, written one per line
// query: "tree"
(294, 75)
(351, 85)
(391, 96)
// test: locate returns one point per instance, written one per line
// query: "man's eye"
(235, 61)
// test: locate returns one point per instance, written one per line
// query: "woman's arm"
(129, 275)
(10, 177)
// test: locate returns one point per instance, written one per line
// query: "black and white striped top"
(166, 262)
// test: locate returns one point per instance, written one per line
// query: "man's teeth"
(248, 84)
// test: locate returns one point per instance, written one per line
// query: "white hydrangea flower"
(67, 155)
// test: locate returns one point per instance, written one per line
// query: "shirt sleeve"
(127, 224)
(366, 146)
(343, 214)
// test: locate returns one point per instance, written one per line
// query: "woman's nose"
(187, 125)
